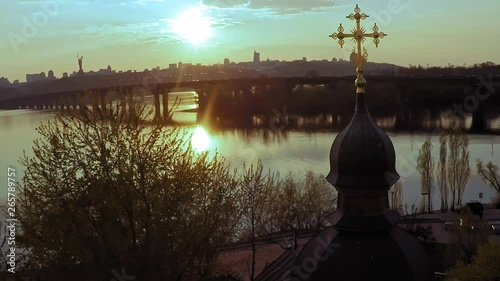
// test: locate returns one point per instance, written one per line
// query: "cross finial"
(358, 35)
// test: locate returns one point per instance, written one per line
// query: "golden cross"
(358, 35)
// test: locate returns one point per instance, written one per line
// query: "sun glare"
(193, 26)
(200, 139)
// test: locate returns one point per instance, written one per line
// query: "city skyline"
(46, 35)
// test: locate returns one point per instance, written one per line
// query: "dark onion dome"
(363, 243)
(390, 255)
(362, 155)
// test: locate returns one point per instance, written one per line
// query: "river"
(279, 149)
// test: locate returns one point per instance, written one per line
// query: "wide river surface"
(279, 150)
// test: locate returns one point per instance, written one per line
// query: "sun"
(200, 139)
(193, 26)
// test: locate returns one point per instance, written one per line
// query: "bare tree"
(301, 203)
(317, 201)
(256, 189)
(441, 178)
(425, 166)
(106, 188)
(458, 168)
(286, 196)
(397, 197)
(489, 173)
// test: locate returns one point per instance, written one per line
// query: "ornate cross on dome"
(358, 35)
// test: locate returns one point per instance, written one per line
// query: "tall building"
(50, 75)
(226, 61)
(256, 56)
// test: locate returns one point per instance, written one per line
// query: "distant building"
(35, 77)
(226, 61)
(4, 82)
(304, 59)
(50, 75)
(65, 75)
(256, 56)
(181, 64)
(354, 57)
(172, 66)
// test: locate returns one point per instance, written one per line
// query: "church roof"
(384, 255)
(363, 243)
(362, 155)
(280, 268)
(340, 255)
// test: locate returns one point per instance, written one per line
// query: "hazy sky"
(39, 35)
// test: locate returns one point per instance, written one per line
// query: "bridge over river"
(245, 96)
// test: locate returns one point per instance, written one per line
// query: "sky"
(43, 35)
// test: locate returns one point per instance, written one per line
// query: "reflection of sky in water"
(279, 151)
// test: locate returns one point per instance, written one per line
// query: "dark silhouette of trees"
(485, 264)
(484, 69)
(274, 204)
(467, 233)
(107, 191)
(312, 73)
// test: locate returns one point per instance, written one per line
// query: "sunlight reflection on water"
(281, 151)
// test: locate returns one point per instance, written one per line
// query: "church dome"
(362, 155)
